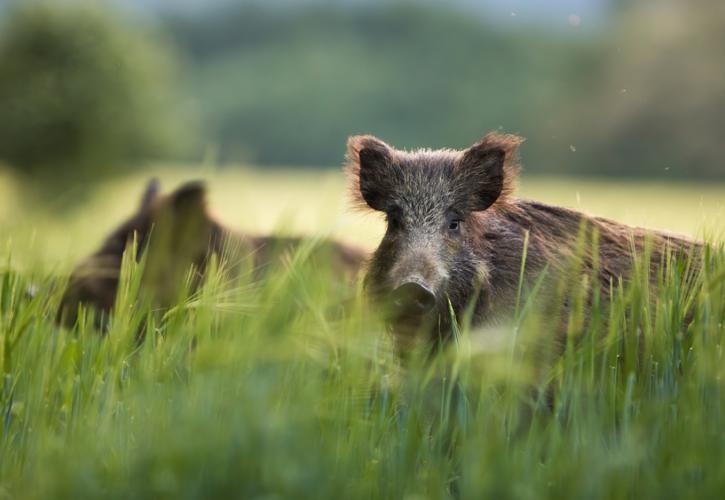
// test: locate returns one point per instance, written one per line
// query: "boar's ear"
(183, 220)
(189, 200)
(488, 170)
(481, 176)
(369, 166)
(150, 194)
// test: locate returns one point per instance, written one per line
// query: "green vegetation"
(638, 94)
(87, 89)
(82, 93)
(290, 387)
(275, 389)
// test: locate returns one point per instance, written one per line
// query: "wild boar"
(456, 234)
(177, 232)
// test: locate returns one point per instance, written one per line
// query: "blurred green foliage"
(654, 102)
(641, 94)
(289, 86)
(271, 389)
(82, 93)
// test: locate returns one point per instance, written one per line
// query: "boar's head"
(430, 258)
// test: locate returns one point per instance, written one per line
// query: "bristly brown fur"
(456, 234)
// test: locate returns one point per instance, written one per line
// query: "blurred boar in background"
(456, 235)
(177, 234)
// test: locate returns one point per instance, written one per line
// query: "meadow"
(315, 202)
(274, 389)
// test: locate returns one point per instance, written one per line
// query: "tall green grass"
(290, 388)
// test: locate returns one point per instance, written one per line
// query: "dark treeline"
(642, 95)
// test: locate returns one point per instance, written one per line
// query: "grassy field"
(273, 390)
(315, 203)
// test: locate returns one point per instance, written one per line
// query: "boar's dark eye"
(453, 222)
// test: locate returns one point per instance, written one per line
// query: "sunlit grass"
(316, 202)
(278, 389)
(289, 388)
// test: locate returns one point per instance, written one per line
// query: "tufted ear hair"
(370, 167)
(487, 171)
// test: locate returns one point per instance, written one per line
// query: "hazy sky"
(554, 13)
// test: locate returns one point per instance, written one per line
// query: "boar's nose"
(413, 297)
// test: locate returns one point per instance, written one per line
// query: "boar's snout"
(413, 298)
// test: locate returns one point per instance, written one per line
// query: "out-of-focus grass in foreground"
(276, 389)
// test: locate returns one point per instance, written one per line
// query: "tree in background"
(82, 94)
(639, 94)
(677, 63)
(286, 86)
(651, 97)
